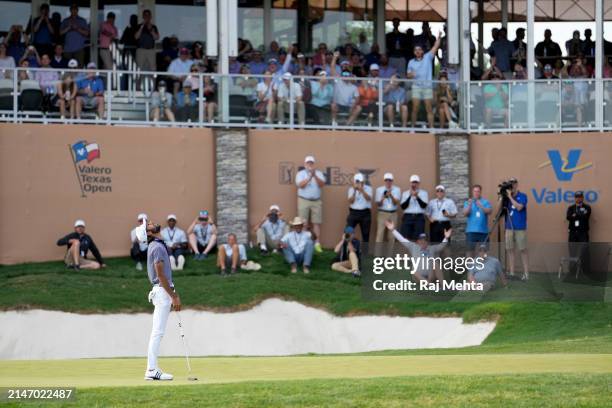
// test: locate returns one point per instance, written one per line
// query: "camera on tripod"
(504, 187)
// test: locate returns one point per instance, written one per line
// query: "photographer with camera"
(414, 203)
(387, 199)
(514, 208)
(360, 204)
(270, 230)
(439, 212)
(161, 103)
(348, 253)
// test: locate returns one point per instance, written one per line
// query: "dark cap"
(422, 236)
(579, 194)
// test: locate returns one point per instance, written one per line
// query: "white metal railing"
(130, 97)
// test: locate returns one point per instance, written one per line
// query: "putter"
(190, 377)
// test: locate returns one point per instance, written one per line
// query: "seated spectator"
(169, 52)
(31, 55)
(47, 80)
(210, 96)
(78, 244)
(548, 73)
(257, 66)
(270, 230)
(245, 85)
(346, 99)
(490, 271)
(496, 97)
(395, 100)
(386, 70)
(368, 99)
(24, 74)
(7, 63)
(298, 246)
(273, 51)
(194, 78)
(287, 91)
(244, 49)
(176, 242)
(348, 253)
(329, 56)
(90, 94)
(75, 31)
(318, 60)
(607, 69)
(59, 61)
(302, 66)
(373, 57)
(322, 93)
(66, 95)
(202, 235)
(180, 68)
(234, 65)
(161, 103)
(232, 255)
(197, 53)
(445, 101)
(138, 252)
(41, 31)
(420, 69)
(265, 105)
(186, 106)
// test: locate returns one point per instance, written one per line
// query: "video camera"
(504, 187)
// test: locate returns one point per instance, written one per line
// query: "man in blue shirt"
(76, 31)
(90, 93)
(516, 227)
(420, 69)
(476, 209)
(42, 31)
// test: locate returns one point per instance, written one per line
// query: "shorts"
(474, 238)
(516, 236)
(344, 109)
(69, 261)
(421, 93)
(312, 210)
(89, 102)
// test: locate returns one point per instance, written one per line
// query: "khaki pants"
(381, 217)
(107, 60)
(351, 265)
(145, 59)
(264, 239)
(283, 106)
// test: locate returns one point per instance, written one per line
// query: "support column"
(267, 24)
(379, 25)
(93, 31)
(454, 174)
(599, 56)
(504, 13)
(531, 108)
(231, 152)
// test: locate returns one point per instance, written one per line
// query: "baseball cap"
(309, 159)
(322, 73)
(482, 247)
(358, 177)
(274, 207)
(79, 223)
(415, 178)
(287, 75)
(203, 214)
(272, 61)
(548, 67)
(346, 74)
(187, 84)
(142, 216)
(440, 187)
(345, 62)
(513, 180)
(91, 65)
(348, 229)
(579, 194)
(184, 51)
(73, 63)
(300, 55)
(388, 176)
(171, 217)
(422, 235)
(374, 67)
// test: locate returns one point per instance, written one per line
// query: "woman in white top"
(7, 63)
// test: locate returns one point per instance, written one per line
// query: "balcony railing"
(304, 102)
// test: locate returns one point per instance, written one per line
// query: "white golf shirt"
(297, 241)
(311, 191)
(413, 206)
(143, 246)
(360, 202)
(435, 208)
(387, 204)
(173, 236)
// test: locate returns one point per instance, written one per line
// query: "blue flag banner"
(80, 151)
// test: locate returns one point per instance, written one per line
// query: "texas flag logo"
(85, 151)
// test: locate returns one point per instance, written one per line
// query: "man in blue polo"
(516, 227)
(476, 209)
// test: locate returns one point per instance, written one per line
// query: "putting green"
(129, 372)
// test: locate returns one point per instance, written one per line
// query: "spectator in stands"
(59, 61)
(186, 106)
(547, 51)
(346, 99)
(161, 103)
(15, 44)
(42, 31)
(209, 91)
(180, 68)
(265, 105)
(519, 55)
(348, 253)
(47, 78)
(128, 38)
(193, 78)
(138, 251)
(476, 209)
(298, 247)
(385, 70)
(395, 100)
(576, 92)
(32, 56)
(146, 35)
(329, 56)
(548, 73)
(7, 63)
(197, 52)
(396, 47)
(245, 84)
(108, 34)
(24, 73)
(234, 65)
(573, 46)
(414, 203)
(302, 65)
(373, 57)
(78, 244)
(270, 230)
(90, 94)
(66, 95)
(273, 51)
(318, 60)
(76, 32)
(283, 96)
(202, 235)
(420, 69)
(425, 40)
(244, 49)
(310, 182)
(368, 98)
(588, 45)
(360, 206)
(496, 96)
(488, 273)
(502, 49)
(387, 199)
(607, 69)
(322, 94)
(176, 243)
(257, 66)
(440, 211)
(445, 101)
(363, 47)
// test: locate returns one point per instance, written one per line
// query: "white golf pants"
(163, 304)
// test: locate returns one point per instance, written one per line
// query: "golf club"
(182, 333)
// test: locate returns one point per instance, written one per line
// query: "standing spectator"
(202, 235)
(128, 38)
(310, 182)
(348, 253)
(547, 51)
(15, 44)
(420, 69)
(440, 211)
(42, 31)
(270, 230)
(363, 47)
(297, 246)
(573, 46)
(519, 55)
(138, 251)
(387, 199)
(176, 243)
(146, 35)
(515, 210)
(395, 100)
(180, 68)
(502, 49)
(287, 91)
(373, 57)
(445, 101)
(66, 95)
(396, 47)
(108, 34)
(578, 217)
(186, 106)
(76, 31)
(322, 94)
(476, 209)
(588, 48)
(59, 61)
(56, 23)
(78, 244)
(161, 103)
(7, 63)
(90, 93)
(414, 203)
(426, 39)
(360, 206)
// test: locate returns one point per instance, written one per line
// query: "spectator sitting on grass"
(138, 252)
(348, 252)
(270, 230)
(161, 103)
(79, 244)
(176, 243)
(90, 94)
(490, 271)
(298, 246)
(233, 255)
(202, 236)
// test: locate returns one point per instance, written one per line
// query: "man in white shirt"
(180, 68)
(298, 246)
(360, 205)
(440, 210)
(232, 255)
(138, 252)
(202, 235)
(414, 202)
(176, 242)
(270, 230)
(283, 96)
(387, 199)
(310, 181)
